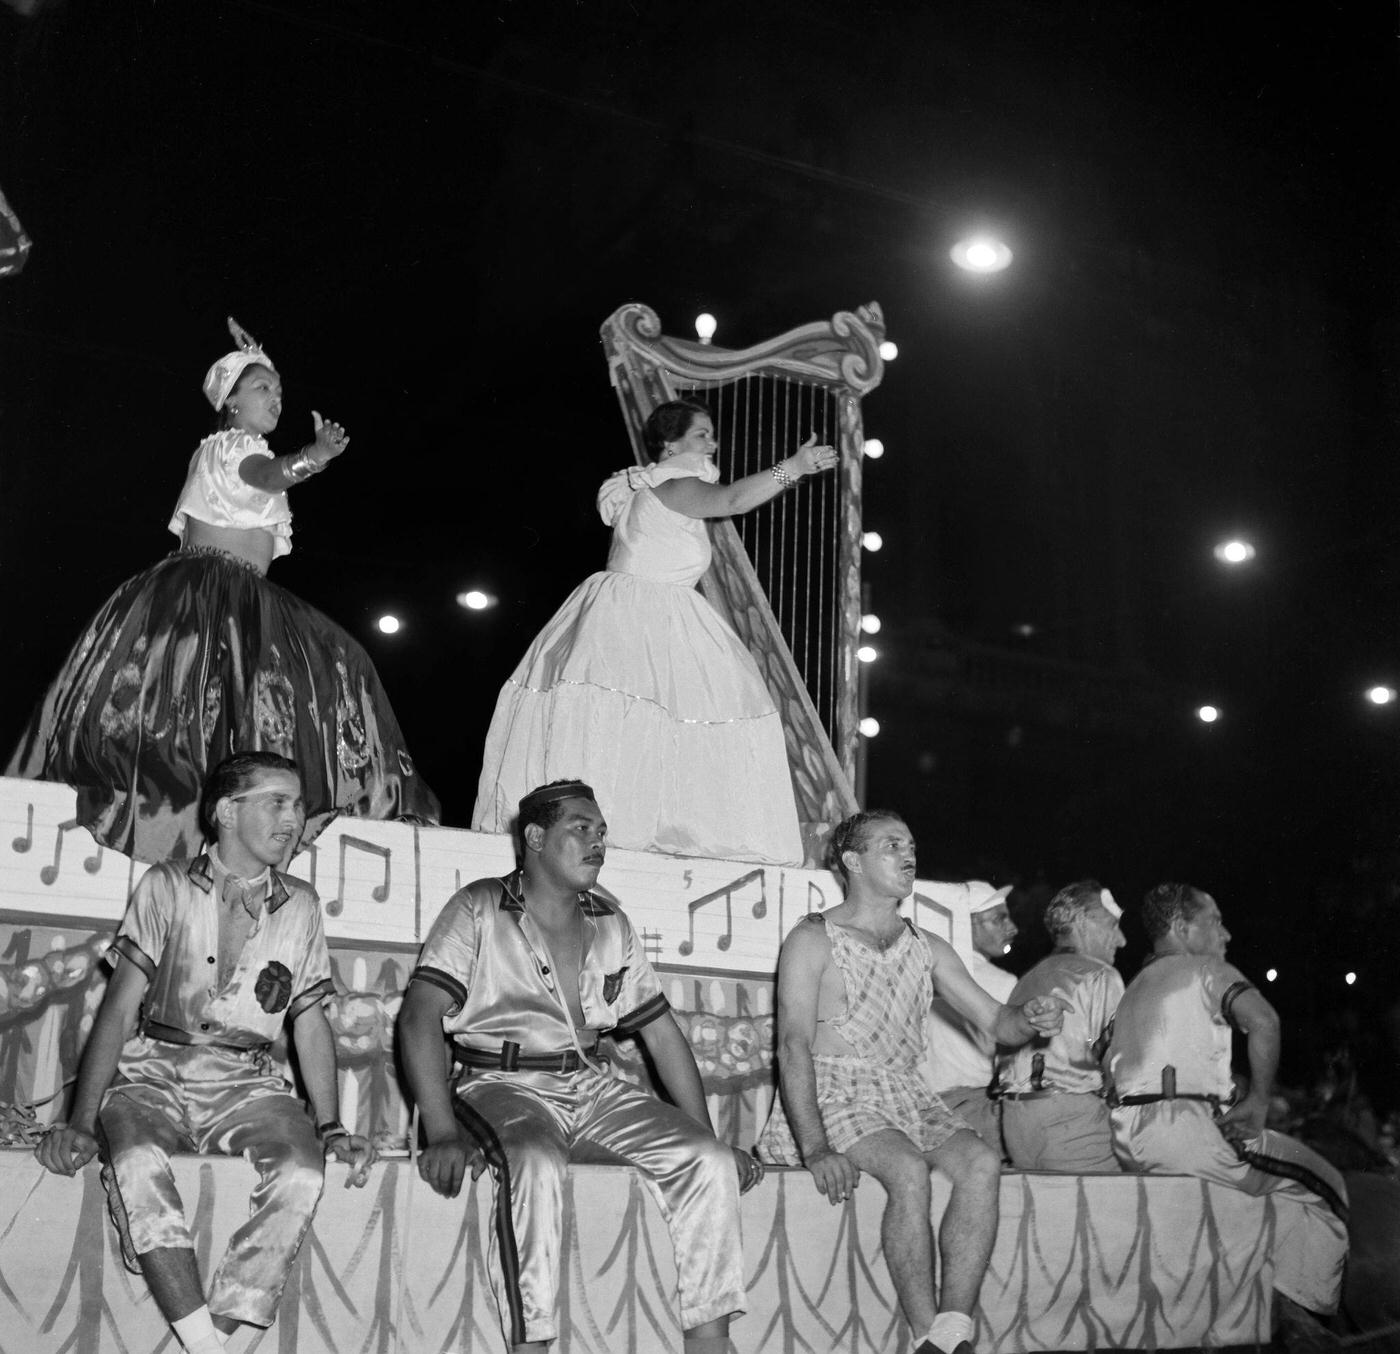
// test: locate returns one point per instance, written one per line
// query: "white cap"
(982, 897)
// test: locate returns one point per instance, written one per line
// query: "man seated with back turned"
(854, 985)
(213, 958)
(1172, 1095)
(1051, 1090)
(523, 974)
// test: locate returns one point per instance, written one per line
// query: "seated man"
(1053, 1116)
(854, 985)
(958, 1063)
(1170, 1090)
(523, 974)
(223, 951)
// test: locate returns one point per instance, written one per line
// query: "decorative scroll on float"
(786, 576)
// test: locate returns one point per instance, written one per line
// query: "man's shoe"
(928, 1347)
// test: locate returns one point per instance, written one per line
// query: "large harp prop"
(787, 576)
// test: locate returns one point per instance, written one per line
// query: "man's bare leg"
(173, 1278)
(969, 1227)
(905, 1231)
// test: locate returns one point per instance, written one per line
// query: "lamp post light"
(981, 254)
(1234, 552)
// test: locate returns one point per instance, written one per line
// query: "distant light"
(872, 541)
(867, 654)
(1351, 979)
(873, 448)
(870, 623)
(1207, 714)
(475, 600)
(889, 351)
(980, 254)
(1234, 552)
(1271, 974)
(388, 625)
(705, 326)
(869, 726)
(1381, 695)
(1025, 630)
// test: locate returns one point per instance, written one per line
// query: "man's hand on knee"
(65, 1150)
(444, 1165)
(836, 1175)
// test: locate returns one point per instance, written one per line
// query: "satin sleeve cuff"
(127, 948)
(643, 1015)
(446, 982)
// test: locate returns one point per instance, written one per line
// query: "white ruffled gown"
(640, 688)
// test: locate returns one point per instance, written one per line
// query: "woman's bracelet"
(331, 1130)
(783, 475)
(300, 467)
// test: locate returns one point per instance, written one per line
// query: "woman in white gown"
(639, 687)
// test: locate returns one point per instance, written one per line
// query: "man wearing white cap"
(1053, 1115)
(959, 1062)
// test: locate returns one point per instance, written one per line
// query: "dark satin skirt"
(195, 659)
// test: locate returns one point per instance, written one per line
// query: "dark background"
(424, 212)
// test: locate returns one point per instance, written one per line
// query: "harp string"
(762, 419)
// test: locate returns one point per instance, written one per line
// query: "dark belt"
(1038, 1095)
(509, 1058)
(172, 1034)
(1213, 1100)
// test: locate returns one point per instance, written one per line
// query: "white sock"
(197, 1332)
(949, 1330)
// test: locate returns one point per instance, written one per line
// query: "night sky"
(425, 212)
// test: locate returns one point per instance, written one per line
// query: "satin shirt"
(1069, 1059)
(171, 933)
(1176, 1013)
(216, 493)
(486, 952)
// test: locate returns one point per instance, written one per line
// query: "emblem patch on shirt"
(612, 985)
(273, 988)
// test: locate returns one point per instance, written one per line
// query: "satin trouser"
(1309, 1241)
(1066, 1132)
(171, 1098)
(532, 1124)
